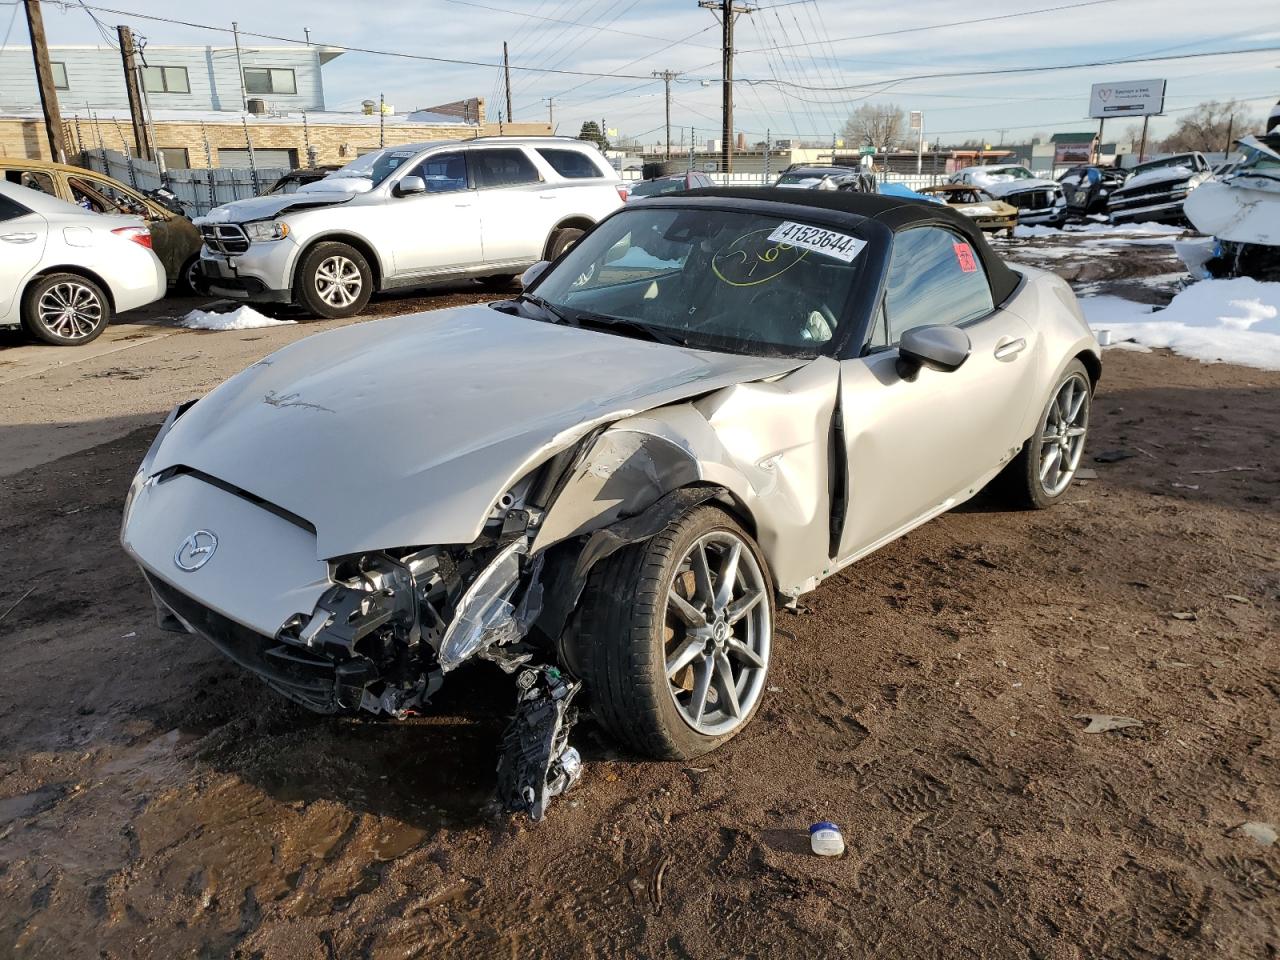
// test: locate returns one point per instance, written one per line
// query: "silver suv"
(409, 216)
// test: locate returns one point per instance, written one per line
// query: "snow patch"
(1214, 321)
(241, 318)
(1129, 229)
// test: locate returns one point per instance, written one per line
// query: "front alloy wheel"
(674, 636)
(717, 648)
(334, 280)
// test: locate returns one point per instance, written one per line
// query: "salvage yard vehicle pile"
(1067, 714)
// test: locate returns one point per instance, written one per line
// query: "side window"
(32, 180)
(442, 172)
(503, 168)
(570, 164)
(935, 276)
(116, 199)
(10, 209)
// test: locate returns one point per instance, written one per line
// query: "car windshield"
(1006, 173)
(1187, 160)
(734, 281)
(655, 188)
(375, 167)
(800, 176)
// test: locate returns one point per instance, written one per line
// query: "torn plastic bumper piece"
(537, 762)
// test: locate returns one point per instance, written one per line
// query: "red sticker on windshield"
(964, 256)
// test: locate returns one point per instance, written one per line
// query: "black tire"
(336, 294)
(619, 644)
(502, 282)
(85, 323)
(190, 280)
(1020, 481)
(562, 240)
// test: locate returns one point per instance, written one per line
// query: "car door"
(23, 235)
(918, 446)
(437, 231)
(518, 207)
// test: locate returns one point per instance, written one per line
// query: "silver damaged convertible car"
(708, 405)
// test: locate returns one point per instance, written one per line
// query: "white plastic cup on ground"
(825, 839)
(1104, 338)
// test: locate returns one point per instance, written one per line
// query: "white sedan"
(64, 270)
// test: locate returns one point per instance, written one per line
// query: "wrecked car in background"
(1155, 192)
(1039, 201)
(1242, 212)
(707, 406)
(990, 215)
(1088, 189)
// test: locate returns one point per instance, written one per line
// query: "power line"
(881, 86)
(954, 23)
(576, 23)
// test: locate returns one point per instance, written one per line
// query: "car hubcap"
(1062, 440)
(718, 632)
(338, 281)
(70, 310)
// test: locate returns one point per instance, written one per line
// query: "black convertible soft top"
(895, 213)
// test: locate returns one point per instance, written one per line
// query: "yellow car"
(174, 238)
(988, 213)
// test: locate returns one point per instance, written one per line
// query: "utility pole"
(1231, 122)
(551, 112)
(666, 76)
(244, 96)
(729, 11)
(44, 80)
(1142, 147)
(131, 87)
(506, 72)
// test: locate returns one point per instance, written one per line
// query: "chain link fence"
(199, 191)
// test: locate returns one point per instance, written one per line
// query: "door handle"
(1008, 349)
(18, 237)
(547, 196)
(462, 204)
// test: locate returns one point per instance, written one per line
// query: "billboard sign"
(1132, 98)
(1073, 153)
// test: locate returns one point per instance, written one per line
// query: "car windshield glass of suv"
(714, 279)
(375, 167)
(655, 188)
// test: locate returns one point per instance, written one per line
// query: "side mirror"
(939, 346)
(530, 276)
(410, 185)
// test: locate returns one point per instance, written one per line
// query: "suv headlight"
(266, 230)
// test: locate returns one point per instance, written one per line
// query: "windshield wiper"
(631, 326)
(554, 312)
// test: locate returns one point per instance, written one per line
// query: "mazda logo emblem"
(195, 551)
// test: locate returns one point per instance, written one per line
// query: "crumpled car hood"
(406, 431)
(263, 208)
(1007, 188)
(1168, 174)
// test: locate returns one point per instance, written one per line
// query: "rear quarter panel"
(1047, 303)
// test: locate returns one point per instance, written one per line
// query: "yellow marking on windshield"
(744, 271)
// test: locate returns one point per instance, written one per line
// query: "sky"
(789, 54)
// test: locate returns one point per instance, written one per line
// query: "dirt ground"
(157, 802)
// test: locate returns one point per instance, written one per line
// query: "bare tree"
(1132, 136)
(1206, 127)
(876, 125)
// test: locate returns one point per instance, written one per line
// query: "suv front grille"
(228, 238)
